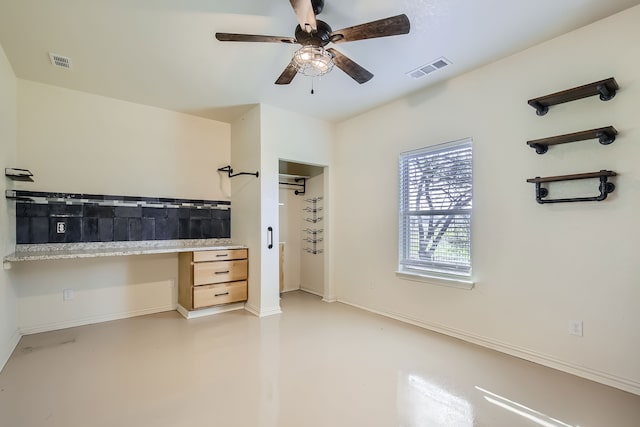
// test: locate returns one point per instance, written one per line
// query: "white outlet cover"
(576, 327)
(68, 294)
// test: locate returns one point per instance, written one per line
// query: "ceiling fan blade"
(392, 26)
(355, 71)
(287, 75)
(229, 37)
(304, 13)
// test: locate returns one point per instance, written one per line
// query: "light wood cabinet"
(210, 278)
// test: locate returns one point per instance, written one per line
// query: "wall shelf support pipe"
(604, 187)
(229, 170)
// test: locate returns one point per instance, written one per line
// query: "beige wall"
(75, 142)
(78, 142)
(9, 333)
(536, 267)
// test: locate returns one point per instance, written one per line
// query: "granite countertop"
(50, 251)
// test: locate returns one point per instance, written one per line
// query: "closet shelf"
(605, 136)
(605, 88)
(605, 187)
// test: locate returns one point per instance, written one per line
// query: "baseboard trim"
(8, 347)
(95, 319)
(262, 312)
(311, 291)
(523, 353)
(203, 312)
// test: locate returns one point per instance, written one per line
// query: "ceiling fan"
(313, 34)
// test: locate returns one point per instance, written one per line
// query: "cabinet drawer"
(224, 293)
(219, 255)
(205, 273)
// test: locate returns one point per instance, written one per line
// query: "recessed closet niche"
(301, 224)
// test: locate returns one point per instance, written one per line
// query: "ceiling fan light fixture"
(313, 61)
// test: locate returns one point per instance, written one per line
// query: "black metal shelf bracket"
(605, 187)
(16, 174)
(229, 170)
(296, 184)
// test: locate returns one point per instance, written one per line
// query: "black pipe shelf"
(605, 88)
(605, 187)
(605, 135)
(16, 174)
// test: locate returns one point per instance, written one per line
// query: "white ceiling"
(163, 52)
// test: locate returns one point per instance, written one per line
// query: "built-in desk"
(50, 251)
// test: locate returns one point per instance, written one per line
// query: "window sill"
(437, 280)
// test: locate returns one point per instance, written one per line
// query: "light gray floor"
(317, 364)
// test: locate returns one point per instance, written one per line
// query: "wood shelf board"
(572, 177)
(573, 137)
(574, 93)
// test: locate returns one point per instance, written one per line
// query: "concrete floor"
(317, 364)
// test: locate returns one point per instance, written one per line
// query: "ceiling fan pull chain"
(312, 79)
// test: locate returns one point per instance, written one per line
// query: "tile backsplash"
(70, 218)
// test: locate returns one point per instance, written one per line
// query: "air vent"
(60, 61)
(429, 68)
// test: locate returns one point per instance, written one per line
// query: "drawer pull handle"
(221, 272)
(221, 295)
(221, 255)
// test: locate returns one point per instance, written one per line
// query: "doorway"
(302, 227)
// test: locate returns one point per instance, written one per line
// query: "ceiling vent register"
(429, 68)
(60, 61)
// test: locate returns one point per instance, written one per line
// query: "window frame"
(428, 273)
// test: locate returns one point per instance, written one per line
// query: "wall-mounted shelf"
(605, 136)
(605, 187)
(16, 174)
(605, 88)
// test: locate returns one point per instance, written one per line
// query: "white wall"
(295, 138)
(245, 199)
(9, 334)
(82, 143)
(536, 267)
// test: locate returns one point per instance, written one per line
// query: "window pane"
(436, 189)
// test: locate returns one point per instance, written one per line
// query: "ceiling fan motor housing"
(321, 37)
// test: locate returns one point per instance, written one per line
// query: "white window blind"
(436, 191)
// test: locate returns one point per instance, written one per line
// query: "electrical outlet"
(61, 227)
(575, 328)
(68, 294)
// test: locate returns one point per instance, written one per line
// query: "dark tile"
(165, 200)
(207, 228)
(226, 229)
(183, 213)
(74, 230)
(97, 211)
(167, 229)
(200, 213)
(63, 209)
(128, 211)
(148, 228)
(195, 230)
(135, 229)
(154, 212)
(92, 196)
(39, 230)
(105, 229)
(21, 209)
(183, 228)
(120, 229)
(226, 214)
(22, 230)
(172, 212)
(90, 230)
(216, 213)
(36, 210)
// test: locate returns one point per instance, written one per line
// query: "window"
(436, 186)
